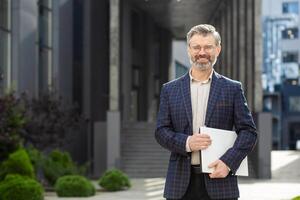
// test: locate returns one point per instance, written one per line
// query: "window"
(290, 7)
(294, 103)
(290, 33)
(290, 57)
(180, 69)
(45, 45)
(5, 47)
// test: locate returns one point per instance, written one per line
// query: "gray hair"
(204, 29)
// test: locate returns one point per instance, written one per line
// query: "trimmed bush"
(36, 157)
(17, 163)
(59, 164)
(114, 180)
(74, 186)
(296, 198)
(17, 187)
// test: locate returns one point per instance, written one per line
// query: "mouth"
(202, 59)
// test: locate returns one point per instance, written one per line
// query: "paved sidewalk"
(284, 185)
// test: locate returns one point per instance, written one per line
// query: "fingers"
(204, 140)
(202, 135)
(201, 138)
(213, 164)
(199, 142)
(218, 174)
(220, 170)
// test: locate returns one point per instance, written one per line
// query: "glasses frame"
(206, 48)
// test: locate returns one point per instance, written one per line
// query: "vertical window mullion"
(5, 48)
(8, 73)
(45, 45)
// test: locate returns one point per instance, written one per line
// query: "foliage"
(17, 163)
(49, 119)
(36, 157)
(74, 186)
(59, 164)
(12, 121)
(114, 180)
(19, 187)
(296, 198)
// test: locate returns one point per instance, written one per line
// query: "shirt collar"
(203, 82)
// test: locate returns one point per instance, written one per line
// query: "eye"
(206, 48)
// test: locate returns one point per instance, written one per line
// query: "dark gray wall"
(95, 77)
(147, 48)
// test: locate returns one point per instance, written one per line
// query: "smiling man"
(203, 97)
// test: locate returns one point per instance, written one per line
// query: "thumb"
(213, 164)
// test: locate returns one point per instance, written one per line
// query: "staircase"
(141, 155)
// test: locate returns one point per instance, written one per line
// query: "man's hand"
(199, 141)
(220, 169)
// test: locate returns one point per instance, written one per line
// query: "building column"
(235, 39)
(113, 114)
(249, 52)
(224, 42)
(229, 49)
(258, 93)
(242, 43)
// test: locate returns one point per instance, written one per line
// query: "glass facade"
(45, 45)
(5, 47)
(290, 7)
(294, 103)
(180, 69)
(290, 33)
(290, 56)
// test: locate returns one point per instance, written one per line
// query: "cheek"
(192, 56)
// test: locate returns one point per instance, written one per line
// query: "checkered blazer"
(226, 109)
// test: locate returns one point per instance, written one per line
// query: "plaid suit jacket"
(226, 109)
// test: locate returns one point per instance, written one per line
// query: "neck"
(201, 75)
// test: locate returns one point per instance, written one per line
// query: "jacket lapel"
(213, 95)
(186, 96)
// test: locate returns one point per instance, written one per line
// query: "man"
(203, 97)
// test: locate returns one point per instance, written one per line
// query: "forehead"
(201, 39)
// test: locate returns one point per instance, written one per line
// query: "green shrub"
(59, 164)
(35, 156)
(74, 186)
(114, 180)
(17, 163)
(296, 198)
(12, 122)
(17, 187)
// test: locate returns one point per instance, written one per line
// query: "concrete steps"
(142, 156)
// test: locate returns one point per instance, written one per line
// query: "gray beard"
(203, 67)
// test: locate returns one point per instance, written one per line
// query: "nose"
(201, 52)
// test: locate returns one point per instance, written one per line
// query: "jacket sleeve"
(164, 133)
(246, 130)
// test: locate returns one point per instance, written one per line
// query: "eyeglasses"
(206, 48)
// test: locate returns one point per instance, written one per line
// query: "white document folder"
(222, 140)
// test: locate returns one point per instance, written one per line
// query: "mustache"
(202, 56)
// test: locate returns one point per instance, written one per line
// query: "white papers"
(222, 140)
